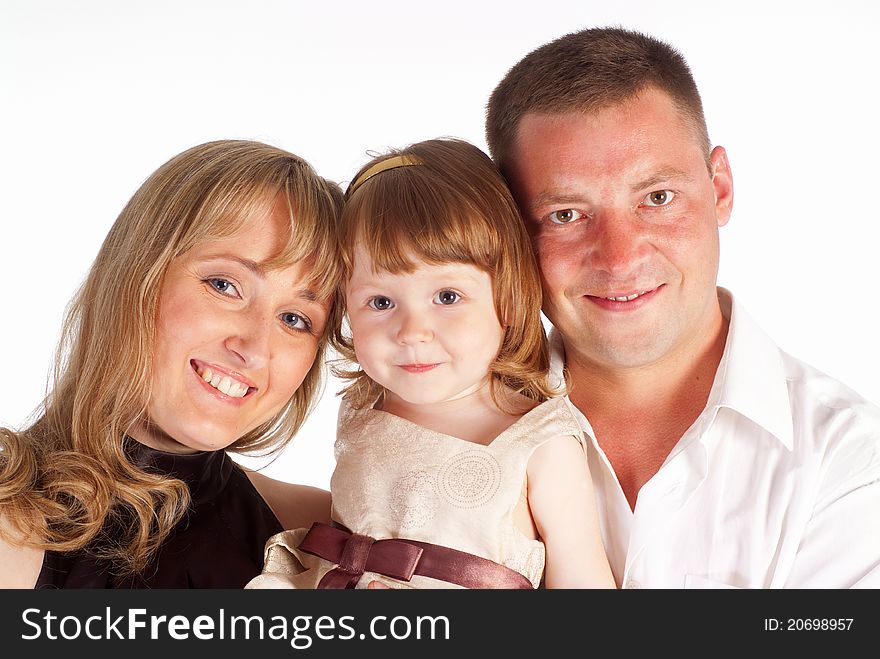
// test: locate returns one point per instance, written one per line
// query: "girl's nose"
(414, 328)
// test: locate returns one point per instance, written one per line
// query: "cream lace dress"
(396, 479)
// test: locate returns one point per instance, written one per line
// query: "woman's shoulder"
(19, 564)
(294, 505)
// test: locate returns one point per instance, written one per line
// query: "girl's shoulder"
(551, 418)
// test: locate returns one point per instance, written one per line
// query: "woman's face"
(233, 340)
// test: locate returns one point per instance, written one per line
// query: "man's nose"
(619, 245)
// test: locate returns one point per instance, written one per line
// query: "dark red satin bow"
(400, 559)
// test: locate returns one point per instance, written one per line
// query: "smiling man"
(719, 460)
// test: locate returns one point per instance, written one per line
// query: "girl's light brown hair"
(65, 482)
(452, 207)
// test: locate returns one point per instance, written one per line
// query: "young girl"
(456, 466)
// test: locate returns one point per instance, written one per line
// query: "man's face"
(624, 218)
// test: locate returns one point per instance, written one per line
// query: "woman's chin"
(208, 436)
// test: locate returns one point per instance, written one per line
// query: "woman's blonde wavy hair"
(65, 481)
(452, 207)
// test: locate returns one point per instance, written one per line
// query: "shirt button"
(632, 584)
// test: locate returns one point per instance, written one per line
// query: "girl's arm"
(561, 499)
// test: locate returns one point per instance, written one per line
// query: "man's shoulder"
(813, 389)
(833, 421)
(817, 401)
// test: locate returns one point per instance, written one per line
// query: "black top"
(218, 544)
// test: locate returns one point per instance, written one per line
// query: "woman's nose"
(249, 341)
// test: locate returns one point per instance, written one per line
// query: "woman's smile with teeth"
(223, 383)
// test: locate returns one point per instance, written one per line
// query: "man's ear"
(722, 183)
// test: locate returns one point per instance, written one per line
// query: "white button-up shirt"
(775, 485)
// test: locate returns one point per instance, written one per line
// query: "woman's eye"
(659, 198)
(446, 297)
(223, 286)
(565, 216)
(380, 303)
(296, 321)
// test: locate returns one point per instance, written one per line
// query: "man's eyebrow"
(553, 198)
(663, 175)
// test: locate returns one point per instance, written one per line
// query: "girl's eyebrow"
(360, 287)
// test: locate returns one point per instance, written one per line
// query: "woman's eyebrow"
(250, 264)
(307, 294)
(253, 266)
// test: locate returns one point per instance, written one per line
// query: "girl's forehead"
(365, 271)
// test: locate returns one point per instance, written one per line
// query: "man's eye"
(380, 303)
(659, 198)
(565, 216)
(446, 297)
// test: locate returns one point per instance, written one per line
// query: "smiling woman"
(201, 327)
(233, 339)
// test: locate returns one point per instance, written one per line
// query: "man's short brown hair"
(586, 72)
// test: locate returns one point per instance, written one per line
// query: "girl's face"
(428, 336)
(233, 341)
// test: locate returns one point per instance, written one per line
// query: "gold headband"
(382, 166)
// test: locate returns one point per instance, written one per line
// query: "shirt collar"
(750, 379)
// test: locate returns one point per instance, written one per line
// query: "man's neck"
(639, 414)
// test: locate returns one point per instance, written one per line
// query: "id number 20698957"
(808, 624)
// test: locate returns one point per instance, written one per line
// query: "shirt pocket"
(696, 582)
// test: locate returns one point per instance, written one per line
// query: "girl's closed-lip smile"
(418, 368)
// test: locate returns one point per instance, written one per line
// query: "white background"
(95, 95)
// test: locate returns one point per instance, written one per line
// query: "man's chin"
(616, 353)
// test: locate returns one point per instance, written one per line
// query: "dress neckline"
(509, 429)
(205, 473)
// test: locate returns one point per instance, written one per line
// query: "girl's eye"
(565, 216)
(296, 321)
(223, 286)
(659, 198)
(446, 297)
(380, 303)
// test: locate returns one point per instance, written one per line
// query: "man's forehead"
(631, 133)
(632, 107)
